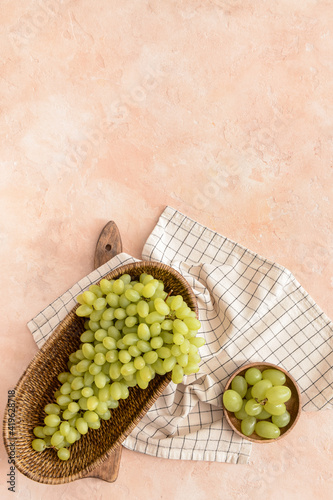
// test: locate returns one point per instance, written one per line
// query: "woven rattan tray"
(37, 385)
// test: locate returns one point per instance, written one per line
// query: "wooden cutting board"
(108, 246)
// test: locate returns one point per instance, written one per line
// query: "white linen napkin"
(250, 309)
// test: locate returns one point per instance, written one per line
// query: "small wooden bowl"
(38, 383)
(293, 405)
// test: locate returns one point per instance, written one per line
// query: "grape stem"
(262, 402)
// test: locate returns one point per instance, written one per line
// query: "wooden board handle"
(108, 246)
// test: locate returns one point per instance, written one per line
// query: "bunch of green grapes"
(258, 400)
(133, 330)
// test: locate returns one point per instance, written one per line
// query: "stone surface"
(112, 110)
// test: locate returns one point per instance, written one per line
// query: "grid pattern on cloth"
(251, 309)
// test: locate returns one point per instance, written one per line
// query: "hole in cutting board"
(108, 247)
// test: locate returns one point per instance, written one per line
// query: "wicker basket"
(38, 383)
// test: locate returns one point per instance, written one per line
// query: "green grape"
(167, 324)
(73, 407)
(138, 287)
(146, 374)
(49, 431)
(275, 376)
(81, 426)
(89, 297)
(178, 338)
(253, 408)
(143, 331)
(84, 310)
(62, 377)
(259, 389)
(92, 403)
(158, 367)
(252, 375)
(118, 287)
(232, 400)
(76, 385)
(39, 432)
(143, 345)
(130, 321)
(182, 360)
(132, 295)
(94, 369)
(109, 343)
(124, 356)
(165, 352)
(263, 415)
(148, 290)
(97, 315)
(185, 347)
(101, 408)
(278, 409)
(157, 343)
(38, 444)
(63, 454)
(167, 337)
(198, 341)
(267, 430)
(248, 394)
(141, 383)
(150, 357)
(87, 392)
(57, 439)
(108, 314)
(81, 367)
(153, 317)
(177, 374)
(134, 351)
(105, 324)
(169, 363)
(94, 325)
(52, 420)
(99, 303)
(52, 409)
(126, 278)
(114, 333)
(180, 327)
(88, 350)
(115, 391)
(99, 359)
(143, 309)
(239, 385)
(83, 404)
(100, 334)
(105, 286)
(281, 420)
(100, 380)
(176, 302)
(241, 414)
(64, 428)
(248, 425)
(130, 339)
(278, 394)
(139, 362)
(161, 307)
(71, 435)
(90, 416)
(128, 368)
(155, 329)
(87, 336)
(113, 300)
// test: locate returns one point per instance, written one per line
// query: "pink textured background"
(112, 110)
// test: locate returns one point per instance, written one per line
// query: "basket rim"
(49, 344)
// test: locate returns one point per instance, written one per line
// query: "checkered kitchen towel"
(251, 309)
